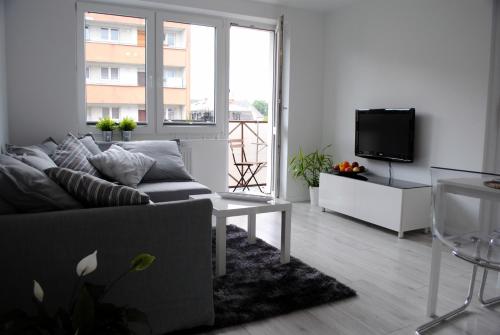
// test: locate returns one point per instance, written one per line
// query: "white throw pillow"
(121, 165)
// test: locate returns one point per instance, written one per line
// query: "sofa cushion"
(89, 142)
(96, 192)
(171, 191)
(126, 167)
(48, 146)
(72, 154)
(169, 164)
(29, 190)
(31, 155)
(6, 208)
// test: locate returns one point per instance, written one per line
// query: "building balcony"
(135, 95)
(96, 52)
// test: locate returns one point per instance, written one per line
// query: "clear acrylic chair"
(466, 213)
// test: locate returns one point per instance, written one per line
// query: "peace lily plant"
(87, 313)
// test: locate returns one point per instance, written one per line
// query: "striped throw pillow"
(72, 154)
(95, 192)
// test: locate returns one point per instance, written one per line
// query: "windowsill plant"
(106, 125)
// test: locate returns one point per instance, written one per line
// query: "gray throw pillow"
(96, 192)
(169, 164)
(29, 190)
(32, 155)
(126, 167)
(72, 154)
(89, 142)
(48, 146)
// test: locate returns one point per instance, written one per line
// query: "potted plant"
(106, 125)
(308, 167)
(127, 125)
(88, 312)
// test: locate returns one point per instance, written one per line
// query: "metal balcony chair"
(246, 169)
(466, 215)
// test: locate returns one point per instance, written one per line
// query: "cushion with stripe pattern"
(72, 154)
(96, 192)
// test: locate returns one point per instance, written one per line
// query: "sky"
(251, 63)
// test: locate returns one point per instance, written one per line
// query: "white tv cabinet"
(394, 204)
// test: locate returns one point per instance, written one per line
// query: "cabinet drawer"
(378, 204)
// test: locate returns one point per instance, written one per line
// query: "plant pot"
(127, 135)
(314, 195)
(107, 136)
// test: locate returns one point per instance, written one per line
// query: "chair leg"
(486, 302)
(425, 327)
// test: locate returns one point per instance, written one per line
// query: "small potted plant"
(106, 125)
(308, 167)
(127, 125)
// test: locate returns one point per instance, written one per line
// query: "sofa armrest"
(176, 291)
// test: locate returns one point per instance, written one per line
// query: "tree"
(261, 106)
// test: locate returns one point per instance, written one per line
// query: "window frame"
(149, 89)
(154, 69)
(220, 74)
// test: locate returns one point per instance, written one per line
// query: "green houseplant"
(308, 167)
(106, 125)
(127, 125)
(87, 314)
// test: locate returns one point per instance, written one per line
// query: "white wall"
(304, 34)
(4, 129)
(429, 54)
(42, 90)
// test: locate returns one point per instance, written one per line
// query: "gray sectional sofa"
(176, 292)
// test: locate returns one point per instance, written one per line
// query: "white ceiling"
(310, 4)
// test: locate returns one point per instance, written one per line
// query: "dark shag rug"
(257, 286)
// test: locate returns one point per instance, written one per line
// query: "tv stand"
(394, 204)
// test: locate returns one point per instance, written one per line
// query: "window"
(173, 77)
(115, 73)
(174, 38)
(174, 113)
(110, 34)
(115, 113)
(105, 112)
(87, 33)
(186, 62)
(196, 76)
(110, 73)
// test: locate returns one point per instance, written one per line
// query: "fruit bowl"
(348, 169)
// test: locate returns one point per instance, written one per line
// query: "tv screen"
(385, 134)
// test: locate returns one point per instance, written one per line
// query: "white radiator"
(186, 152)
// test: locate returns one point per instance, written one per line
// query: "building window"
(173, 77)
(87, 33)
(105, 112)
(87, 72)
(174, 113)
(108, 73)
(175, 38)
(115, 113)
(110, 34)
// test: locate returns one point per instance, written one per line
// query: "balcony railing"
(253, 135)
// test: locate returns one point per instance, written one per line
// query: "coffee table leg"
(251, 228)
(220, 246)
(286, 222)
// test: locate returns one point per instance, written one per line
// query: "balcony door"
(251, 114)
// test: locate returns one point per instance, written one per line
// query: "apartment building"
(115, 70)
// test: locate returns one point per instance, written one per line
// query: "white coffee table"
(224, 208)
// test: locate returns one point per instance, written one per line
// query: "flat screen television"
(385, 134)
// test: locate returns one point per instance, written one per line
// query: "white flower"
(37, 291)
(87, 265)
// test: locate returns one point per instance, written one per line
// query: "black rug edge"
(209, 328)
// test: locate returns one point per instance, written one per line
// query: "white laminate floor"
(389, 274)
